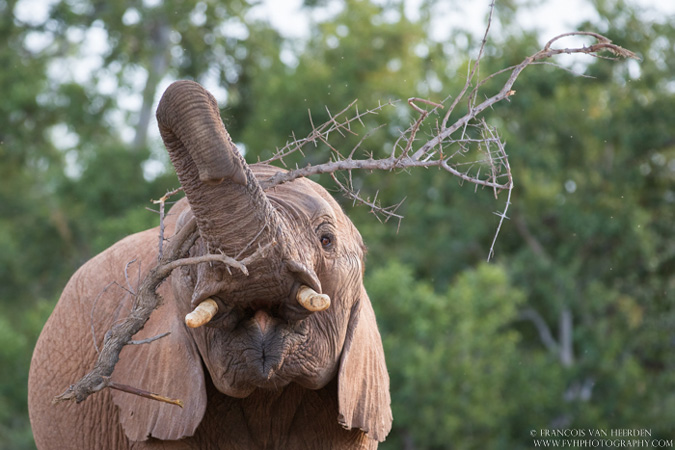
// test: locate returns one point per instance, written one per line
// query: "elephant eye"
(326, 241)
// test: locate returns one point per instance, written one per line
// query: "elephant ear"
(169, 366)
(363, 381)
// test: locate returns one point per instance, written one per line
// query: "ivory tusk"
(202, 314)
(311, 300)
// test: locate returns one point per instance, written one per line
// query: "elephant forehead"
(303, 198)
(301, 201)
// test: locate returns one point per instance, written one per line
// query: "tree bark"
(159, 63)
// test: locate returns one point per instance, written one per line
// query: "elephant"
(258, 367)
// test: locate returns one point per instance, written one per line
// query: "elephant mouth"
(259, 339)
(271, 340)
(258, 342)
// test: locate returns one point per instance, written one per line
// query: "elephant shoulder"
(100, 293)
(121, 267)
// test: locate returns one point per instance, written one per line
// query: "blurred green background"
(571, 325)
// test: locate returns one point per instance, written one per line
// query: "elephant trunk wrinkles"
(233, 214)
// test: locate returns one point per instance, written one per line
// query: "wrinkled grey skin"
(265, 373)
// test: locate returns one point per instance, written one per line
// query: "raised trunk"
(231, 209)
(233, 214)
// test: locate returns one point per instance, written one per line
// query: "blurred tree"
(593, 246)
(34, 237)
(450, 356)
(367, 52)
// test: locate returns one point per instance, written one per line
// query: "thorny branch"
(146, 301)
(347, 188)
(162, 202)
(481, 161)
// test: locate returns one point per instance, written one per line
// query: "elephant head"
(300, 316)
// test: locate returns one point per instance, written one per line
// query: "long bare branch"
(443, 135)
(449, 147)
(146, 301)
(325, 130)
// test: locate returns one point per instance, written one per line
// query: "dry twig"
(146, 301)
(162, 202)
(141, 392)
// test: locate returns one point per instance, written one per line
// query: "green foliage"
(17, 338)
(13, 351)
(450, 355)
(333, 68)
